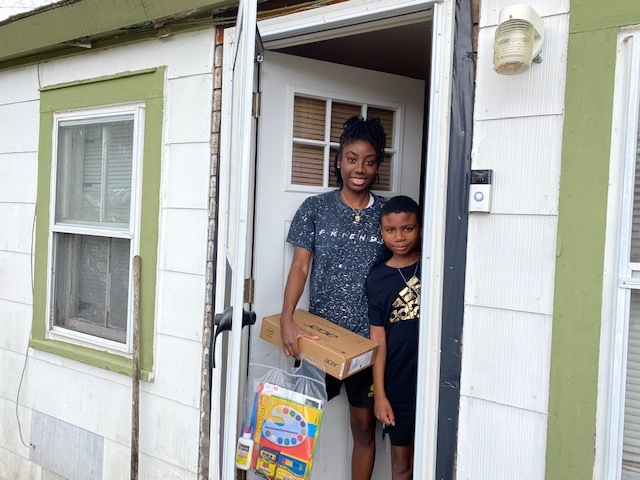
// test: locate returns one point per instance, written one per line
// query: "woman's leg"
(401, 462)
(363, 429)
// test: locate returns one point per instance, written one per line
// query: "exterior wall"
(578, 398)
(518, 123)
(67, 403)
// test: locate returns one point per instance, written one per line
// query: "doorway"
(392, 43)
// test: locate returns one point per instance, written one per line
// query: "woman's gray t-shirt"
(343, 253)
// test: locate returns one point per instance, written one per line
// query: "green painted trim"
(104, 360)
(575, 346)
(603, 15)
(66, 21)
(98, 79)
(147, 86)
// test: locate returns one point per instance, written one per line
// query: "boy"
(393, 290)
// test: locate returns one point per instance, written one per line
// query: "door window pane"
(308, 118)
(386, 119)
(307, 165)
(340, 113)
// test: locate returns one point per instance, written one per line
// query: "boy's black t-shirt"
(394, 305)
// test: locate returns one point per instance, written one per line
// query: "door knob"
(223, 321)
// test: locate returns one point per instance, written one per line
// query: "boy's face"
(401, 233)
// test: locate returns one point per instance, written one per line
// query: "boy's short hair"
(402, 204)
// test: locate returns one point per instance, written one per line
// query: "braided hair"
(358, 128)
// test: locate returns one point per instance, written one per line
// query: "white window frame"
(132, 233)
(330, 97)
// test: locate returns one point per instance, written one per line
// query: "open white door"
(234, 230)
(235, 205)
(294, 84)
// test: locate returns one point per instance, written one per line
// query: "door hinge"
(248, 290)
(255, 107)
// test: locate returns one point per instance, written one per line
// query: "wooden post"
(135, 375)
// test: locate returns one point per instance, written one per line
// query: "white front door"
(233, 246)
(277, 197)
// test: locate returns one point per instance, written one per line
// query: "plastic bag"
(283, 414)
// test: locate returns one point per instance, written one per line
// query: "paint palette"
(291, 430)
(286, 426)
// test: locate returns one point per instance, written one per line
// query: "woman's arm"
(382, 407)
(289, 331)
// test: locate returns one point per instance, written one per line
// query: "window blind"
(631, 438)
(312, 153)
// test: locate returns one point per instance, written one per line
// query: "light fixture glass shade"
(513, 47)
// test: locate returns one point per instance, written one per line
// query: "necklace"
(356, 211)
(414, 274)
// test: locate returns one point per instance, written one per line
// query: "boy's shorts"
(359, 387)
(402, 434)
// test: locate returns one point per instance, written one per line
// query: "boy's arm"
(289, 331)
(382, 407)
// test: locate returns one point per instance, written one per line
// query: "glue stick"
(244, 451)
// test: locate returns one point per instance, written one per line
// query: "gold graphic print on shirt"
(406, 306)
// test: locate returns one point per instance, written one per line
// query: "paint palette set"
(284, 429)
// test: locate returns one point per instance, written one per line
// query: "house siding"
(65, 392)
(511, 257)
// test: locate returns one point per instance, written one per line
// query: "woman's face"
(358, 165)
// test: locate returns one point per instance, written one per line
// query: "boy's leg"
(401, 462)
(363, 428)
(401, 436)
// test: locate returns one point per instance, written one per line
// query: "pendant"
(357, 218)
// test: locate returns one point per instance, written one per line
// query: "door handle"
(223, 322)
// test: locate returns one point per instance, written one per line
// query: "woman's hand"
(290, 333)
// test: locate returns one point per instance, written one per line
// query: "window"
(630, 304)
(98, 195)
(93, 233)
(317, 125)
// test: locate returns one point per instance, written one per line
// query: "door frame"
(339, 20)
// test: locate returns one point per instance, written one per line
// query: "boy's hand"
(384, 412)
(290, 333)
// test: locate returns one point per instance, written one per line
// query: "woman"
(340, 231)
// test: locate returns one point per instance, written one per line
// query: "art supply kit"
(283, 417)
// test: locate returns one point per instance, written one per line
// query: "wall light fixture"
(518, 39)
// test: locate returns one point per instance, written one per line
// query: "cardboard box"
(340, 351)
